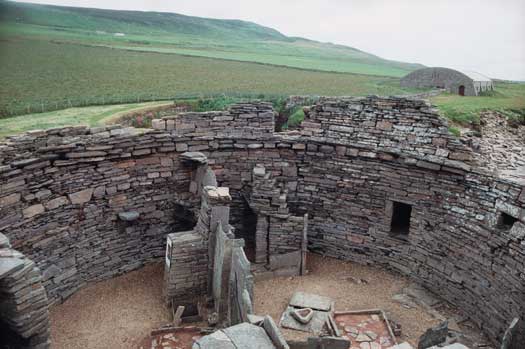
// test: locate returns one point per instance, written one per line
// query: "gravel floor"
(328, 277)
(111, 314)
(120, 312)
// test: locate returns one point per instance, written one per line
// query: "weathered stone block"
(56, 203)
(158, 124)
(9, 200)
(384, 125)
(81, 197)
(34, 210)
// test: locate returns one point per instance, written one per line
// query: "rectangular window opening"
(401, 213)
(506, 221)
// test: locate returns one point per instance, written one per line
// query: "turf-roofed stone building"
(464, 83)
(373, 180)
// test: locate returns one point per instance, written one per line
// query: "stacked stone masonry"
(208, 264)
(61, 192)
(186, 267)
(23, 300)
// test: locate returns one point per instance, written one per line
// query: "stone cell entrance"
(248, 231)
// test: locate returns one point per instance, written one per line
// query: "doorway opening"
(247, 231)
(461, 90)
(185, 219)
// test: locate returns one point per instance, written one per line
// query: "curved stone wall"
(60, 203)
(61, 192)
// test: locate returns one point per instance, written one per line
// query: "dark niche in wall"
(248, 231)
(10, 339)
(400, 222)
(185, 219)
(506, 221)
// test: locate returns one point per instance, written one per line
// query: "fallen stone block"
(433, 336)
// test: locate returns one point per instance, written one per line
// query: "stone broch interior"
(227, 205)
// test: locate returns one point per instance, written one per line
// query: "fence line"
(42, 106)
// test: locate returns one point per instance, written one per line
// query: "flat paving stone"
(315, 325)
(309, 300)
(216, 340)
(248, 336)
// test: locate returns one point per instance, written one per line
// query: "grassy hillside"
(174, 33)
(42, 75)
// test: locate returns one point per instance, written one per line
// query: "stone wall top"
(393, 124)
(245, 120)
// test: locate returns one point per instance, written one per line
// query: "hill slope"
(131, 22)
(175, 33)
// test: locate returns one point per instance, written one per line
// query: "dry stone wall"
(24, 315)
(348, 168)
(60, 203)
(246, 120)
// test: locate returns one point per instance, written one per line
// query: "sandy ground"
(111, 314)
(328, 277)
(120, 312)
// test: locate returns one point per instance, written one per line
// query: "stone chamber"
(221, 197)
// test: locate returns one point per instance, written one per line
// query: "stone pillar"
(261, 240)
(215, 210)
(185, 268)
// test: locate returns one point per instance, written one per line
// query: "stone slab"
(10, 265)
(248, 336)
(273, 332)
(315, 326)
(4, 241)
(309, 300)
(328, 343)
(129, 216)
(195, 156)
(433, 336)
(216, 340)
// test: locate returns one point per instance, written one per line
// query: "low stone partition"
(279, 234)
(209, 260)
(381, 180)
(24, 316)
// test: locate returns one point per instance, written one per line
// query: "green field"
(89, 116)
(42, 76)
(175, 33)
(53, 58)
